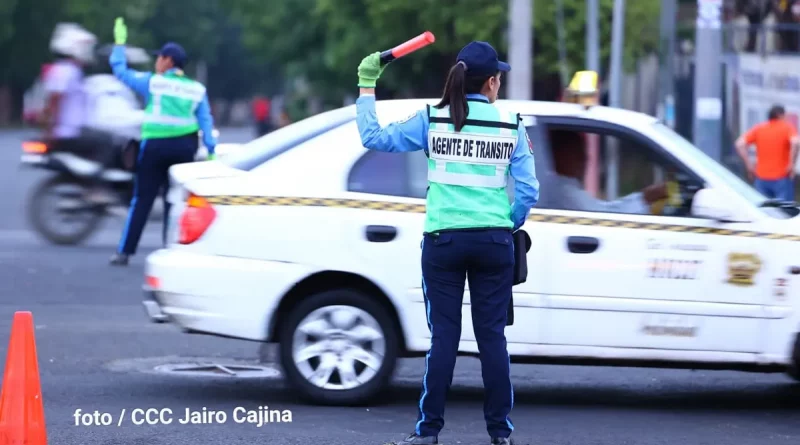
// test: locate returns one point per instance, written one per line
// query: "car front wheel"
(339, 347)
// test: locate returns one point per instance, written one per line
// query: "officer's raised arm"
(206, 122)
(523, 170)
(136, 80)
(410, 134)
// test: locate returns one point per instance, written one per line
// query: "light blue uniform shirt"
(412, 135)
(139, 82)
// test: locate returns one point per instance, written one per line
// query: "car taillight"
(34, 147)
(153, 282)
(196, 219)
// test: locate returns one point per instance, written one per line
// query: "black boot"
(502, 441)
(417, 440)
(119, 259)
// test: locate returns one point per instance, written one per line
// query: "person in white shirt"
(66, 112)
(567, 192)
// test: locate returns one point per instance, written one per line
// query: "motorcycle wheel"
(46, 217)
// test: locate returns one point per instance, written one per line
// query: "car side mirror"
(709, 203)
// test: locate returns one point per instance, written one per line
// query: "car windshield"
(258, 151)
(735, 182)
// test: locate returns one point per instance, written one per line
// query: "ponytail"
(455, 96)
(456, 88)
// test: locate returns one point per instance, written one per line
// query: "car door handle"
(381, 234)
(582, 244)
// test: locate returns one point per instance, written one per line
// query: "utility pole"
(615, 93)
(520, 49)
(707, 129)
(591, 180)
(592, 36)
(669, 14)
(563, 67)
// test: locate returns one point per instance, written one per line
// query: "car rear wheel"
(339, 348)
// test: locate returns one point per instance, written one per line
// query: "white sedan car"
(308, 240)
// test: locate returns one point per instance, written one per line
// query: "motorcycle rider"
(66, 110)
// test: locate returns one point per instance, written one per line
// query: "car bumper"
(231, 297)
(153, 308)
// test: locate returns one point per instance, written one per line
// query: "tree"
(199, 26)
(285, 34)
(324, 40)
(196, 25)
(98, 18)
(641, 36)
(25, 33)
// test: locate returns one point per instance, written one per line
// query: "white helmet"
(72, 40)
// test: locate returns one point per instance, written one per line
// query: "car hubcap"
(338, 347)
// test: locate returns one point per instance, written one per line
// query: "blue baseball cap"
(174, 52)
(481, 59)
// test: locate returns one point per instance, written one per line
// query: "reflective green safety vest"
(468, 170)
(173, 101)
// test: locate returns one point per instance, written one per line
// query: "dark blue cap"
(481, 59)
(174, 52)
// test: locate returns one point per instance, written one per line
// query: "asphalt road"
(97, 352)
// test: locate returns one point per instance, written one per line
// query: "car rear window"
(261, 150)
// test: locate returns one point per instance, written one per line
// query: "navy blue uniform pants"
(484, 259)
(156, 156)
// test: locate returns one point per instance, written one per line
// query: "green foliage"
(324, 40)
(320, 41)
(7, 8)
(98, 18)
(199, 25)
(196, 25)
(26, 28)
(641, 32)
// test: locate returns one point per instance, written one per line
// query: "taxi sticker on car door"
(742, 268)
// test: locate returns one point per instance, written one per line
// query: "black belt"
(467, 229)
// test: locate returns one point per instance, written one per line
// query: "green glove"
(211, 157)
(120, 31)
(369, 70)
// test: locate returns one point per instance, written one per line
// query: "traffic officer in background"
(472, 148)
(177, 107)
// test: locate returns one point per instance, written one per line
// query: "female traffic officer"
(472, 147)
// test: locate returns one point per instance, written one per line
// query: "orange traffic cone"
(21, 407)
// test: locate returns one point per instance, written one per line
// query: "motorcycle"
(59, 208)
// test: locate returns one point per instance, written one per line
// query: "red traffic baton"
(407, 47)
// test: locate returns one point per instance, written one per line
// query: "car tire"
(332, 310)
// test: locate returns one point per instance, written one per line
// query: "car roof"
(332, 162)
(394, 109)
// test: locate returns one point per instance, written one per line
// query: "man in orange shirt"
(776, 144)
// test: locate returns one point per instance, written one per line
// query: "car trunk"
(181, 176)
